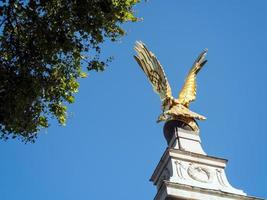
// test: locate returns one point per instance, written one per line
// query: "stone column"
(185, 171)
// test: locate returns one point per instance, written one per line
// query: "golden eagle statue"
(172, 109)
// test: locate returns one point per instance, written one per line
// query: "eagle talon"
(161, 118)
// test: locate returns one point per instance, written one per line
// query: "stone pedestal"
(185, 171)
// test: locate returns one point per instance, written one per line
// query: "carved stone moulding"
(176, 191)
(199, 173)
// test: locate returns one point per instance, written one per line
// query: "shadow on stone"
(171, 126)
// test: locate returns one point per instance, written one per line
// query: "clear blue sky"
(111, 144)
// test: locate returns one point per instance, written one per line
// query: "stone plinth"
(185, 171)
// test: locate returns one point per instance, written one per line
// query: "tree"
(43, 48)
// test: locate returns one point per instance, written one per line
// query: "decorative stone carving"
(220, 178)
(199, 173)
(179, 169)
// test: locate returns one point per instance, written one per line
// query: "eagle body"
(172, 109)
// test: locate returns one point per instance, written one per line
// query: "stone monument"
(184, 171)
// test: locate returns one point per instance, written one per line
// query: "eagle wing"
(153, 70)
(189, 90)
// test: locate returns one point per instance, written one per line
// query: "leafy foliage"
(42, 50)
